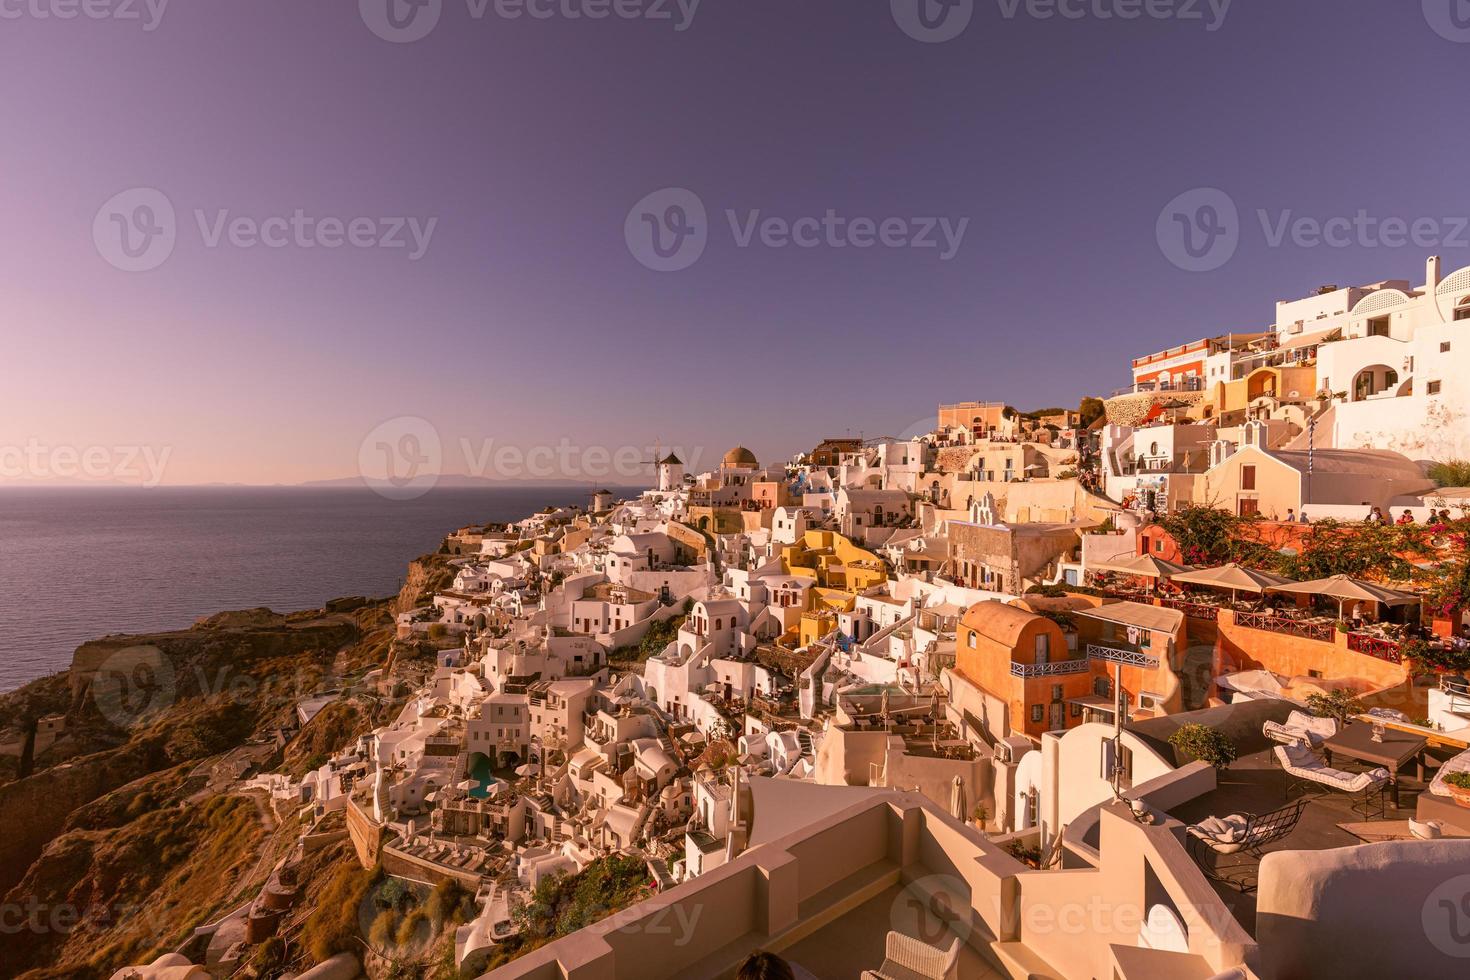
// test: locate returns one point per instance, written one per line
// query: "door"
(1058, 716)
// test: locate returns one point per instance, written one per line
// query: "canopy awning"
(1309, 339)
(1145, 566)
(1234, 577)
(1345, 588)
(1136, 614)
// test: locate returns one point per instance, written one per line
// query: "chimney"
(1432, 273)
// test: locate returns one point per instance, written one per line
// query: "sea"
(79, 563)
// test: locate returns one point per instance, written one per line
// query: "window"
(1378, 327)
(1056, 692)
(1043, 648)
(1076, 710)
(1159, 545)
(1432, 388)
(1444, 348)
(1247, 478)
(1249, 506)
(971, 640)
(1036, 713)
(1462, 310)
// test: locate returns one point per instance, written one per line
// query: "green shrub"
(1450, 473)
(332, 927)
(1205, 744)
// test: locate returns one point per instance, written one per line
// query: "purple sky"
(528, 320)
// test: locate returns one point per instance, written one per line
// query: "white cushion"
(1226, 830)
(1321, 728)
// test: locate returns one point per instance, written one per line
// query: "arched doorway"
(1373, 380)
(1261, 384)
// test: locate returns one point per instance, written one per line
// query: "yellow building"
(840, 570)
(833, 562)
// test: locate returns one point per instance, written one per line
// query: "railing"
(1129, 658)
(1194, 610)
(1184, 384)
(1375, 646)
(1324, 632)
(1055, 668)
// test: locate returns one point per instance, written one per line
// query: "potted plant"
(1205, 744)
(1459, 786)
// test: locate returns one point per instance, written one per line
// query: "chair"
(906, 958)
(1300, 727)
(1309, 772)
(1240, 833)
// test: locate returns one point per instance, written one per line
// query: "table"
(1356, 742)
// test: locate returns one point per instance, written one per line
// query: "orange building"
(1024, 660)
(1049, 664)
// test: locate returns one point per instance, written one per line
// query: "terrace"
(825, 895)
(1256, 784)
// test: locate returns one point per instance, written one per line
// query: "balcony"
(1323, 629)
(1194, 610)
(1056, 668)
(1119, 655)
(1143, 387)
(1375, 646)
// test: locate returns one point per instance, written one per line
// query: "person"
(1291, 515)
(1407, 517)
(1305, 519)
(764, 966)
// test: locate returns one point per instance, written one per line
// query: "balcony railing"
(1326, 632)
(1194, 610)
(1117, 655)
(1375, 646)
(1183, 384)
(1055, 668)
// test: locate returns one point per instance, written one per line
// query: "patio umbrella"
(1234, 577)
(1144, 566)
(1345, 588)
(1252, 682)
(957, 806)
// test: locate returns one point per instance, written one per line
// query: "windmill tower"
(670, 470)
